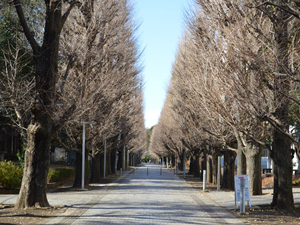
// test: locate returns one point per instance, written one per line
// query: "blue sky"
(162, 24)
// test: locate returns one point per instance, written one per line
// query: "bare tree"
(41, 127)
(207, 96)
(75, 84)
(105, 64)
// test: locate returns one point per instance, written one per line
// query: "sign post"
(242, 196)
(237, 183)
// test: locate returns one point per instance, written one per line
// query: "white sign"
(237, 184)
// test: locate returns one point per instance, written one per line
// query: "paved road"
(153, 199)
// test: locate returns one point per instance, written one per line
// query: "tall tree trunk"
(241, 162)
(37, 160)
(41, 128)
(173, 161)
(283, 194)
(192, 165)
(86, 169)
(181, 159)
(96, 166)
(197, 165)
(214, 159)
(109, 162)
(253, 158)
(228, 170)
(209, 171)
(130, 159)
(113, 160)
(102, 167)
(39, 135)
(283, 171)
(126, 159)
(120, 159)
(78, 170)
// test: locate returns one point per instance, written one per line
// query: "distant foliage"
(60, 174)
(10, 175)
(147, 158)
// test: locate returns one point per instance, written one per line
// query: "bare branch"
(29, 35)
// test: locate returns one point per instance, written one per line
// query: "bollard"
(204, 180)
(242, 196)
(147, 171)
(160, 171)
(121, 171)
(134, 171)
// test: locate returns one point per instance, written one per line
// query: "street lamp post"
(83, 152)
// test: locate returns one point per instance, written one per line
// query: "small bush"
(10, 175)
(60, 174)
(296, 182)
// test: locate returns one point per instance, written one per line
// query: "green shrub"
(60, 174)
(10, 175)
(296, 182)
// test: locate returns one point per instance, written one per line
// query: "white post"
(104, 160)
(242, 196)
(204, 180)
(83, 156)
(219, 173)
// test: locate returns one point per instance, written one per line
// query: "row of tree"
(65, 63)
(235, 91)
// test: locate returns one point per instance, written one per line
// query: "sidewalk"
(74, 198)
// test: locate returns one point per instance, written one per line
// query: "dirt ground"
(261, 215)
(267, 215)
(11, 216)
